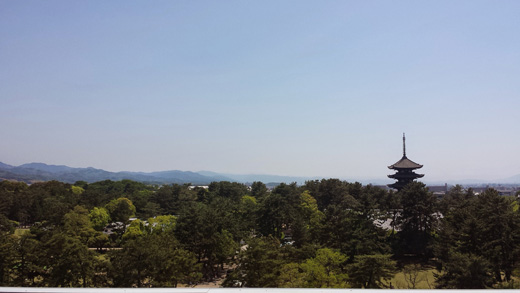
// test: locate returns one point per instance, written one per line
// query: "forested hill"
(35, 172)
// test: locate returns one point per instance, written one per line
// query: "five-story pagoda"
(405, 173)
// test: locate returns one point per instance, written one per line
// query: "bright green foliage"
(162, 224)
(309, 206)
(309, 222)
(247, 202)
(99, 218)
(370, 271)
(326, 270)
(120, 209)
(77, 190)
(323, 271)
(134, 230)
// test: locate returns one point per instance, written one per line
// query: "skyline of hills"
(34, 172)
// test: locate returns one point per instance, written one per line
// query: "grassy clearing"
(414, 277)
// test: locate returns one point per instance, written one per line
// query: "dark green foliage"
(231, 190)
(203, 229)
(68, 262)
(7, 259)
(323, 234)
(330, 192)
(259, 190)
(465, 271)
(153, 260)
(258, 265)
(484, 231)
(369, 271)
(172, 198)
(417, 220)
(280, 211)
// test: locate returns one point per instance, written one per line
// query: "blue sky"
(304, 88)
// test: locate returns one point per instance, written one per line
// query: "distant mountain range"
(35, 172)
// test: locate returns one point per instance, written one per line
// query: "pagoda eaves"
(404, 168)
(405, 163)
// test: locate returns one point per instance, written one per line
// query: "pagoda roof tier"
(405, 163)
(410, 175)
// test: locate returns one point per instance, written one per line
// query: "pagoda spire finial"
(404, 146)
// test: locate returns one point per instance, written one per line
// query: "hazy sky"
(306, 88)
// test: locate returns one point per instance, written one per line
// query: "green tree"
(77, 190)
(135, 230)
(7, 258)
(27, 251)
(69, 262)
(77, 223)
(418, 220)
(120, 209)
(486, 230)
(370, 271)
(153, 260)
(99, 218)
(279, 211)
(325, 270)
(259, 190)
(351, 231)
(500, 232)
(258, 265)
(465, 271)
(172, 198)
(162, 224)
(330, 192)
(203, 229)
(247, 213)
(308, 221)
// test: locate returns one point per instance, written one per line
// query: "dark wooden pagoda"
(404, 168)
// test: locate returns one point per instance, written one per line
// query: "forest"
(323, 234)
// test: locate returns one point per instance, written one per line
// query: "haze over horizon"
(299, 88)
